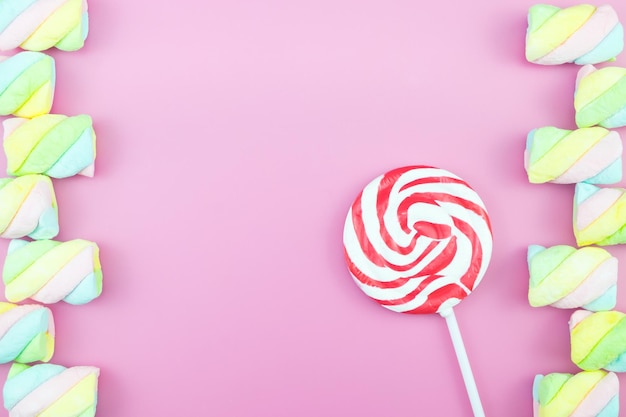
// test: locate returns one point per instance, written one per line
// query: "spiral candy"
(27, 82)
(26, 333)
(585, 394)
(36, 25)
(51, 390)
(598, 340)
(560, 156)
(599, 215)
(51, 144)
(581, 34)
(600, 97)
(564, 277)
(29, 208)
(417, 240)
(49, 271)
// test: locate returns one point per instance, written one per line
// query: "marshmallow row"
(39, 146)
(583, 278)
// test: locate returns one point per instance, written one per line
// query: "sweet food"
(417, 240)
(599, 215)
(600, 97)
(565, 277)
(598, 340)
(48, 271)
(561, 156)
(52, 144)
(27, 81)
(26, 333)
(29, 208)
(48, 390)
(585, 394)
(37, 25)
(581, 34)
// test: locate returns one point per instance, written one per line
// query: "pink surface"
(233, 137)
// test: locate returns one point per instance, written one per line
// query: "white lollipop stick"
(461, 355)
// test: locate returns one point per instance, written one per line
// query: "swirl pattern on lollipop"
(599, 215)
(26, 333)
(29, 208)
(582, 34)
(51, 390)
(600, 97)
(51, 144)
(417, 240)
(36, 25)
(27, 82)
(598, 340)
(564, 277)
(49, 271)
(560, 156)
(585, 394)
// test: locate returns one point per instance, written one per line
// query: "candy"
(28, 208)
(51, 144)
(26, 333)
(564, 277)
(581, 34)
(599, 215)
(51, 390)
(585, 394)
(592, 155)
(37, 25)
(26, 84)
(598, 340)
(417, 240)
(48, 271)
(600, 97)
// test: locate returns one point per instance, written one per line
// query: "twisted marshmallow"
(581, 34)
(51, 144)
(599, 215)
(48, 390)
(37, 25)
(600, 97)
(592, 155)
(26, 84)
(598, 340)
(564, 277)
(26, 333)
(29, 208)
(48, 271)
(586, 394)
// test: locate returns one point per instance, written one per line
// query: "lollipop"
(418, 240)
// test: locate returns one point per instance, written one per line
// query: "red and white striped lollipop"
(418, 240)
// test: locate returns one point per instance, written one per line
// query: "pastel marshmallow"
(565, 277)
(26, 333)
(598, 340)
(48, 271)
(52, 144)
(581, 34)
(27, 82)
(47, 390)
(561, 156)
(600, 97)
(585, 394)
(37, 25)
(29, 208)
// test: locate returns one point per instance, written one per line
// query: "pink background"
(232, 138)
